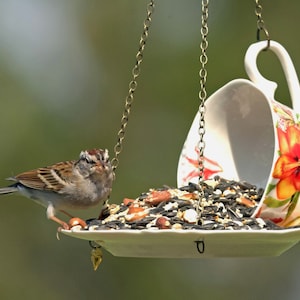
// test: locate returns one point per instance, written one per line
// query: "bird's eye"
(89, 160)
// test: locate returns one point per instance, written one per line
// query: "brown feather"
(51, 178)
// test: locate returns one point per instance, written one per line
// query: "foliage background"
(64, 73)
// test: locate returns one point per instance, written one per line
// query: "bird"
(74, 184)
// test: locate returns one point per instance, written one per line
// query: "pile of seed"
(225, 205)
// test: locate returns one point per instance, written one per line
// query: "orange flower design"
(287, 167)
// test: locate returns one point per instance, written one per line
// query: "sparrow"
(67, 185)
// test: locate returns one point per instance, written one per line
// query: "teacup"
(251, 137)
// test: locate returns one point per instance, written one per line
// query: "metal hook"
(94, 245)
(96, 255)
(261, 24)
(200, 245)
(266, 32)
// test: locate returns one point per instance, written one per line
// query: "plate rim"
(291, 231)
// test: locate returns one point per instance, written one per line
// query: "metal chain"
(96, 255)
(260, 23)
(202, 98)
(132, 85)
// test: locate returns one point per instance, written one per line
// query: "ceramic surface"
(251, 136)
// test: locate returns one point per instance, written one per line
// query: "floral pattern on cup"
(282, 193)
(211, 167)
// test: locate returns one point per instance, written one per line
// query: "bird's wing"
(51, 178)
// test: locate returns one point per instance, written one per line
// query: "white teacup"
(250, 136)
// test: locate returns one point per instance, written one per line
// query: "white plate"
(182, 243)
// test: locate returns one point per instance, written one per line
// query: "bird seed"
(227, 205)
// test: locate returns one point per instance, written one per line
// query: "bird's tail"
(8, 190)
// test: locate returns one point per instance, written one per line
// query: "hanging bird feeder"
(238, 173)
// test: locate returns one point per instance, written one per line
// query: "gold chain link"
(202, 98)
(260, 23)
(133, 85)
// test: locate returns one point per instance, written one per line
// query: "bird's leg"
(74, 221)
(51, 216)
(66, 213)
(62, 223)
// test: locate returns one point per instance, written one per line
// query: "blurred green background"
(64, 73)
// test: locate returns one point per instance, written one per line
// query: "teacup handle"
(267, 86)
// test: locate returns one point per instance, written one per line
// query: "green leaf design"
(270, 188)
(293, 203)
(274, 203)
(294, 222)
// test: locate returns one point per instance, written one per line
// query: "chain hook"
(133, 85)
(130, 96)
(261, 27)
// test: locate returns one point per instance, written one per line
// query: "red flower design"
(210, 168)
(287, 166)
